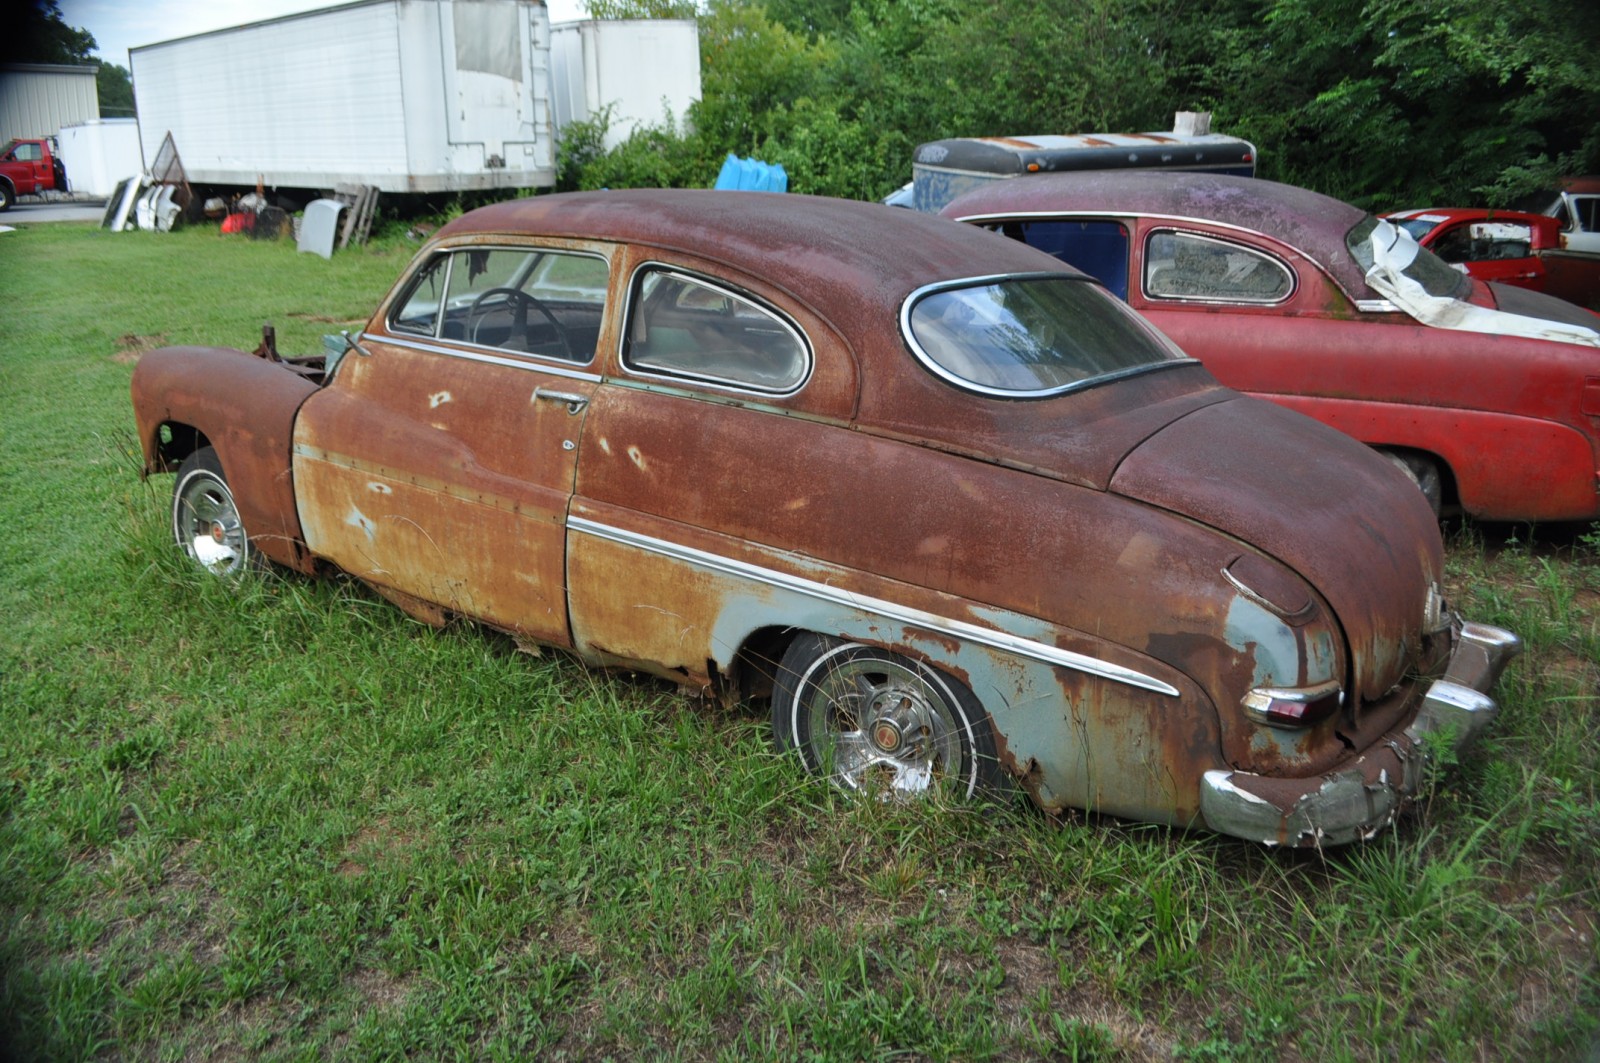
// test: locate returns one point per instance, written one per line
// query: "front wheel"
(205, 521)
(868, 719)
(7, 197)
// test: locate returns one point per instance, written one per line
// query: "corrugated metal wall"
(36, 100)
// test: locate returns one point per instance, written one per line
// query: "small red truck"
(28, 167)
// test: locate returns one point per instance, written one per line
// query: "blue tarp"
(749, 175)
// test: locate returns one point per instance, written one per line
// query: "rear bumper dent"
(1364, 796)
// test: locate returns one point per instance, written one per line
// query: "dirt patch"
(131, 346)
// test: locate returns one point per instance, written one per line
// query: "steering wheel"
(520, 302)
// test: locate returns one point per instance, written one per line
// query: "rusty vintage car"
(1488, 396)
(966, 520)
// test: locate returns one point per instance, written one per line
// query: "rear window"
(1031, 336)
(1426, 268)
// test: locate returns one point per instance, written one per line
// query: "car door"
(438, 464)
(1490, 250)
(1580, 222)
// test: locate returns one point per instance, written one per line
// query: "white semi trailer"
(403, 95)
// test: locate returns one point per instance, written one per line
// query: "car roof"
(1305, 220)
(851, 262)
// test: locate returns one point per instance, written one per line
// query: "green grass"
(288, 822)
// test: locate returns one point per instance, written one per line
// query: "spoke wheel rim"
(881, 724)
(207, 525)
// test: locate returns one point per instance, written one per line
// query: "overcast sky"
(118, 25)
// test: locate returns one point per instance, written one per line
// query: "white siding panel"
(38, 100)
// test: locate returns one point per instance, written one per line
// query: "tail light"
(1293, 706)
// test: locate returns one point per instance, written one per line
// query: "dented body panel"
(1109, 570)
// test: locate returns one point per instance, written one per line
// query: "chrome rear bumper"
(1365, 794)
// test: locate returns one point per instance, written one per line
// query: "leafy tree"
(38, 35)
(620, 9)
(115, 89)
(1404, 102)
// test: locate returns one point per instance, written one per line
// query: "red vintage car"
(1487, 395)
(964, 520)
(1509, 247)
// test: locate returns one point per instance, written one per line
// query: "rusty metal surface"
(245, 407)
(1369, 546)
(1108, 570)
(446, 480)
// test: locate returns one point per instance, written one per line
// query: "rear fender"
(242, 405)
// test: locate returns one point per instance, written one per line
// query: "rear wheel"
(869, 719)
(205, 520)
(1422, 471)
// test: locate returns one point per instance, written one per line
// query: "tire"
(872, 720)
(1423, 472)
(7, 196)
(205, 520)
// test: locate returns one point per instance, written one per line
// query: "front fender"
(244, 406)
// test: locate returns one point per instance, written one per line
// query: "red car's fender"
(1478, 447)
(243, 406)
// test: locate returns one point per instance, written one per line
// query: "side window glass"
(528, 301)
(679, 325)
(29, 153)
(1098, 248)
(1587, 211)
(1185, 266)
(419, 311)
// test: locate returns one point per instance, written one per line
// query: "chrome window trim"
(557, 367)
(450, 254)
(1211, 300)
(1376, 306)
(956, 380)
(720, 383)
(999, 640)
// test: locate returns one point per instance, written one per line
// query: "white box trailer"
(643, 69)
(404, 95)
(100, 153)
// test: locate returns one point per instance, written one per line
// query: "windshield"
(1372, 236)
(1031, 336)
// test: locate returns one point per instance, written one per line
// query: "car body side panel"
(1477, 447)
(245, 407)
(445, 479)
(1423, 389)
(995, 538)
(645, 598)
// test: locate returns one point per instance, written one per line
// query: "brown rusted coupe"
(962, 516)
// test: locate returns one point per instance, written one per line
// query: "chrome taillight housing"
(1293, 706)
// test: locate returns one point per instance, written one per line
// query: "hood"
(1342, 517)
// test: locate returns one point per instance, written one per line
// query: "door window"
(528, 301)
(1187, 266)
(1098, 248)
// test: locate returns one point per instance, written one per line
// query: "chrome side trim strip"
(998, 640)
(489, 359)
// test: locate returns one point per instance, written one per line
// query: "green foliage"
(1386, 103)
(37, 34)
(619, 9)
(115, 89)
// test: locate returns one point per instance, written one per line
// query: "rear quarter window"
(685, 326)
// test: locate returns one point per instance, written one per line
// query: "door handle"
(575, 402)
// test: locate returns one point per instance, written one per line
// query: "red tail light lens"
(1293, 706)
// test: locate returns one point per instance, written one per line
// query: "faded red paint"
(1500, 416)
